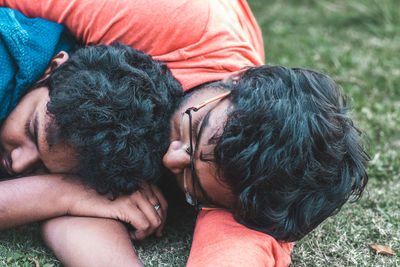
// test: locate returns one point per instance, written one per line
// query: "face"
(206, 122)
(24, 148)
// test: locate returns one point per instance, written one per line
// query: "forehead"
(198, 97)
(31, 102)
(213, 121)
(212, 114)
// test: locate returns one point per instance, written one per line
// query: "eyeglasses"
(191, 198)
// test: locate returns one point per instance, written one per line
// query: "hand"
(136, 209)
(147, 199)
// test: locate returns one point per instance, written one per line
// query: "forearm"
(30, 199)
(83, 241)
(35, 198)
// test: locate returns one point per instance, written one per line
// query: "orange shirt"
(200, 40)
(219, 240)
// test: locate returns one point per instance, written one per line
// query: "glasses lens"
(193, 172)
(190, 198)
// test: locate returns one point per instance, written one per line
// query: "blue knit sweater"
(26, 48)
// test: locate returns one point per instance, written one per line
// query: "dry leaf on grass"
(383, 249)
(37, 264)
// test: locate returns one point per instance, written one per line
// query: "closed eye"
(28, 130)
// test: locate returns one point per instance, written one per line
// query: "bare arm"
(29, 199)
(83, 241)
(35, 198)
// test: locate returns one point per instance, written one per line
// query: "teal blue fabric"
(26, 48)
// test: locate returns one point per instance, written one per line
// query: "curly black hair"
(112, 104)
(289, 151)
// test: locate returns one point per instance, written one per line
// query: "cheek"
(180, 182)
(60, 160)
(218, 191)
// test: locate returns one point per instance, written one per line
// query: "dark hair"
(289, 151)
(113, 104)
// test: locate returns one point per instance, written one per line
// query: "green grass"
(358, 44)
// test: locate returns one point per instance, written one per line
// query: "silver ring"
(157, 207)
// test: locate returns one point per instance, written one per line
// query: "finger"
(163, 209)
(147, 191)
(160, 197)
(141, 223)
(151, 214)
(160, 205)
(153, 198)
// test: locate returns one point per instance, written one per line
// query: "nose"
(24, 159)
(176, 159)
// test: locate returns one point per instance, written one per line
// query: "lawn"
(358, 44)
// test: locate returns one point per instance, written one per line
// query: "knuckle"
(140, 235)
(146, 226)
(158, 221)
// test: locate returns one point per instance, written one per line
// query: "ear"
(56, 61)
(234, 76)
